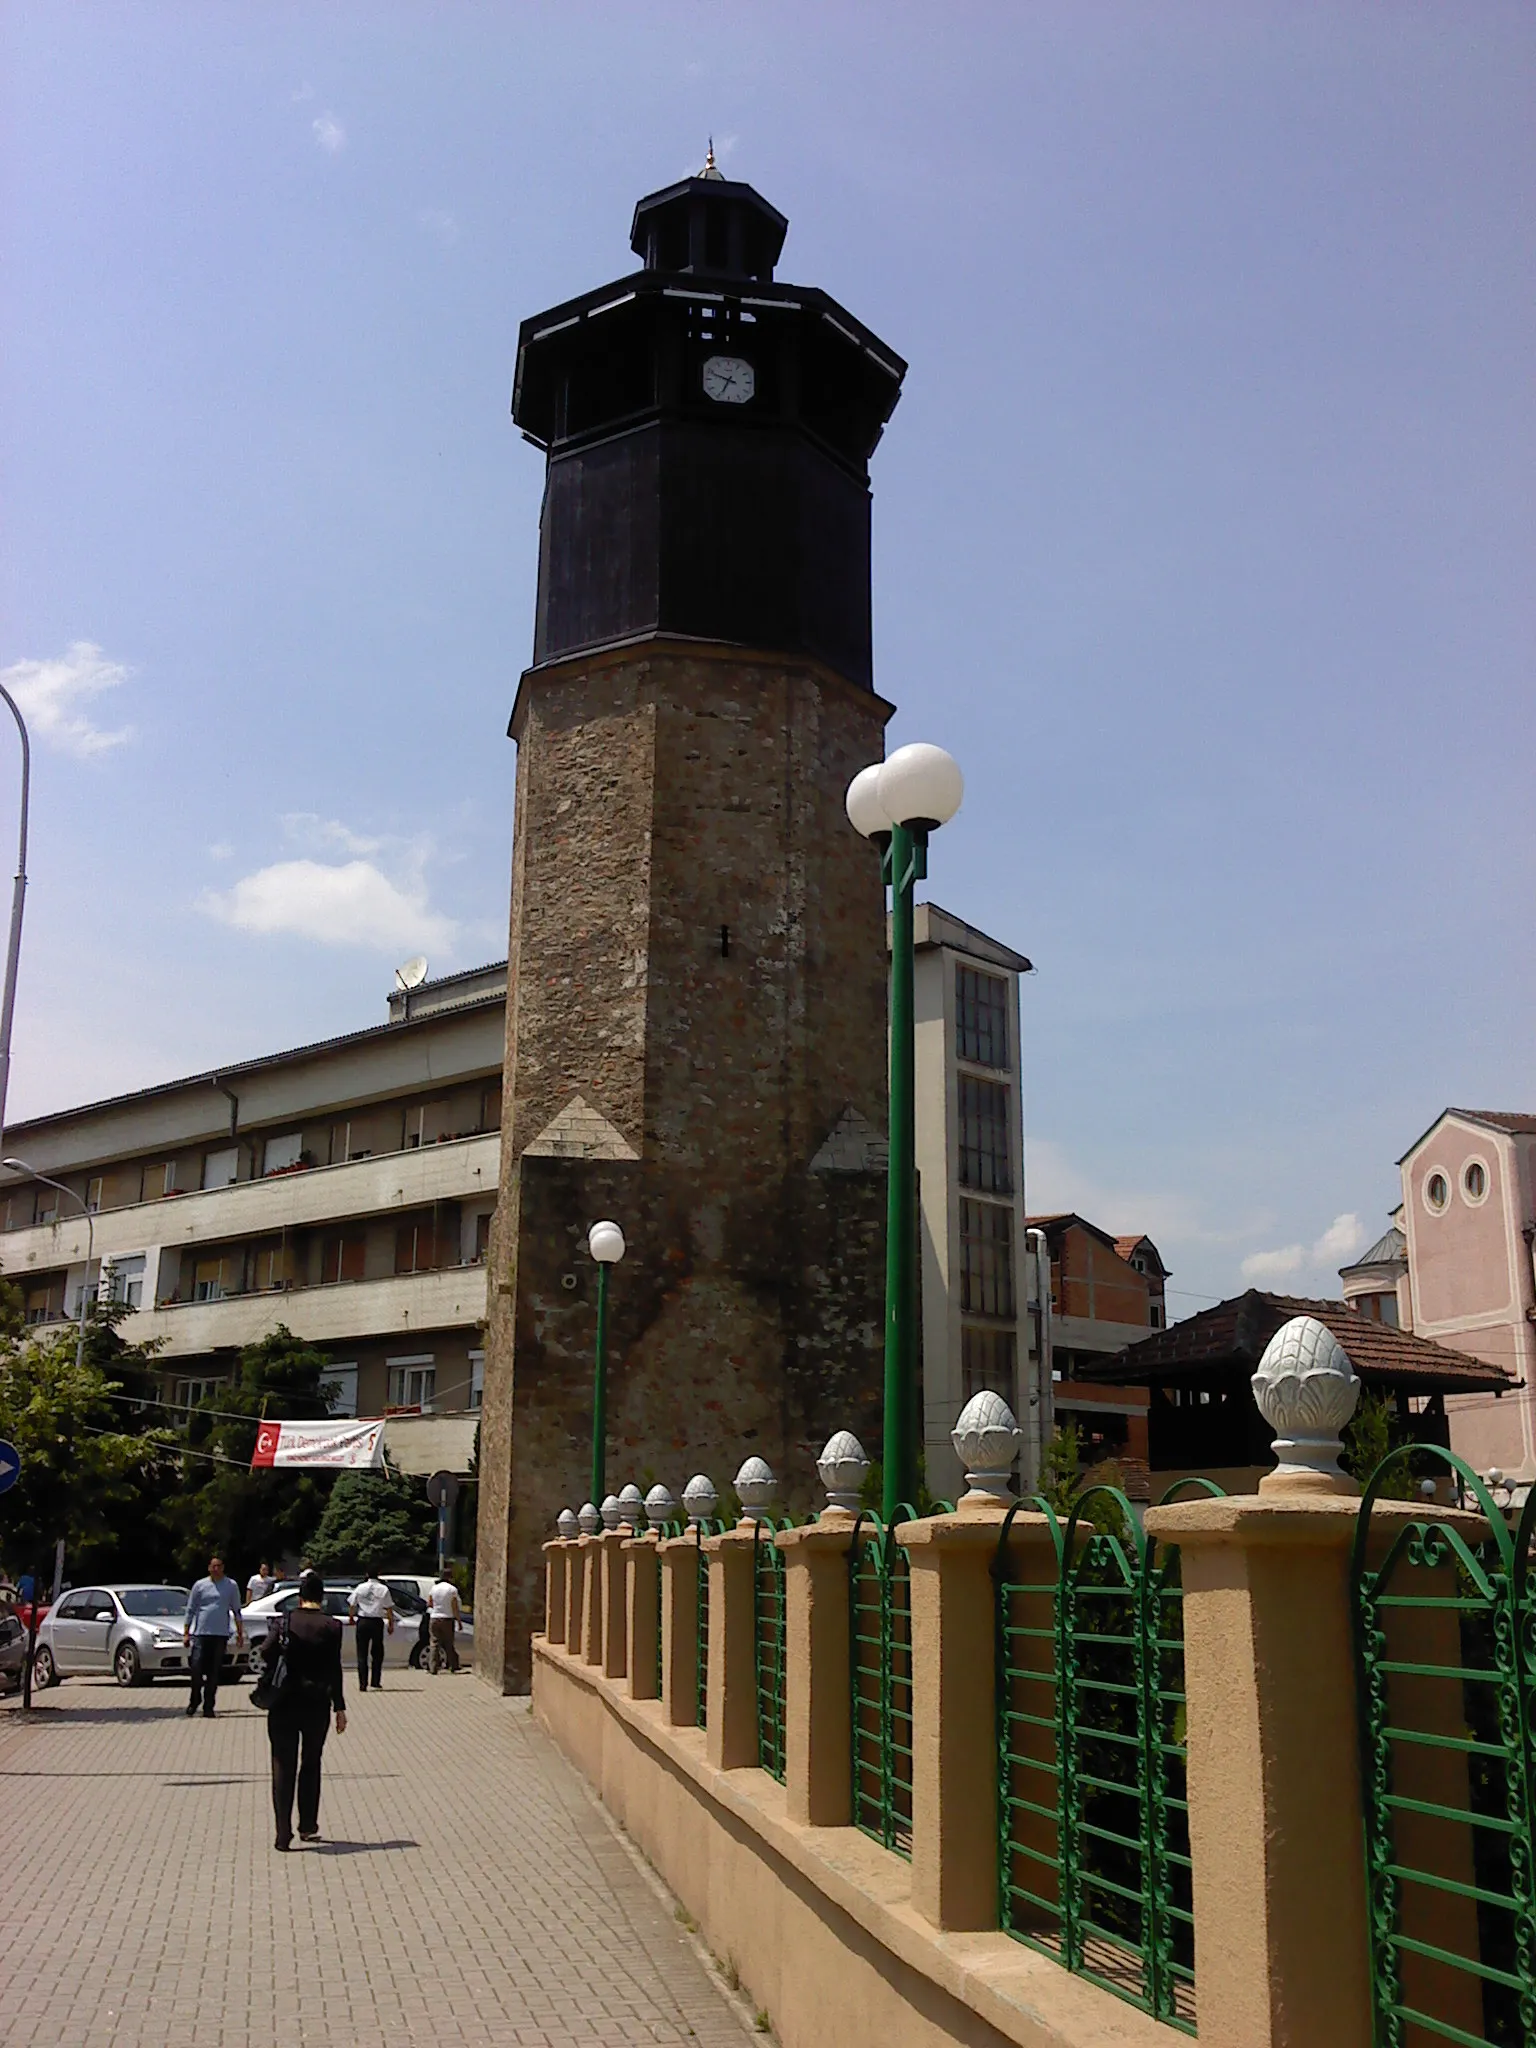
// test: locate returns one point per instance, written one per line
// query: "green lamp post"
(897, 803)
(605, 1241)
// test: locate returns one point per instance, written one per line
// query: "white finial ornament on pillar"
(660, 1507)
(844, 1466)
(700, 1499)
(631, 1507)
(567, 1524)
(756, 1488)
(589, 1521)
(1306, 1390)
(986, 1439)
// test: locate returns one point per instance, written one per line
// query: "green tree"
(89, 1470)
(223, 1508)
(1370, 1435)
(376, 1518)
(1061, 1468)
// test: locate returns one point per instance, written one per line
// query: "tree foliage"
(376, 1518)
(1370, 1435)
(221, 1506)
(91, 1465)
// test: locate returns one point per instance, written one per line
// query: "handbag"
(269, 1689)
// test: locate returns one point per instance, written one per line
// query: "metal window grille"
(701, 1622)
(981, 1017)
(1093, 1817)
(987, 1357)
(984, 1136)
(880, 1668)
(676, 1527)
(1445, 1649)
(986, 1260)
(768, 1632)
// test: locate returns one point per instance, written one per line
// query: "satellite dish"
(413, 973)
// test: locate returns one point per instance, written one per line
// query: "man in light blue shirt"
(213, 1611)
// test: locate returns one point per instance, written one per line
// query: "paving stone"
(467, 1889)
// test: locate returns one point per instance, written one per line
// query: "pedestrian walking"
(213, 1614)
(259, 1584)
(445, 1611)
(371, 1606)
(303, 1673)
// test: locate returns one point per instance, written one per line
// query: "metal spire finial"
(711, 168)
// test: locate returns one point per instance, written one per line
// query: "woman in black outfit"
(309, 1643)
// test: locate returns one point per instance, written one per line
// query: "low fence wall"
(990, 1776)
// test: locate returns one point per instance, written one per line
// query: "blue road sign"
(10, 1465)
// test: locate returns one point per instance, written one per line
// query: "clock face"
(728, 380)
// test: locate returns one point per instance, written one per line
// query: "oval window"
(1475, 1181)
(1436, 1191)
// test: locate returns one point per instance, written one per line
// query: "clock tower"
(696, 1033)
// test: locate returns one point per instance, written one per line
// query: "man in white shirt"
(371, 1605)
(444, 1609)
(259, 1584)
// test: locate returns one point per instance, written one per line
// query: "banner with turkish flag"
(320, 1446)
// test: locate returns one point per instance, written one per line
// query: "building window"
(1437, 1191)
(47, 1209)
(208, 1280)
(341, 1382)
(157, 1182)
(269, 1268)
(343, 1256)
(986, 1360)
(1474, 1180)
(981, 1018)
(193, 1393)
(412, 1383)
(477, 1379)
(125, 1280)
(221, 1169)
(93, 1193)
(283, 1153)
(986, 1260)
(984, 1136)
(482, 1237)
(43, 1301)
(1155, 1314)
(420, 1249)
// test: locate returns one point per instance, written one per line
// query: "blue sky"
(1203, 530)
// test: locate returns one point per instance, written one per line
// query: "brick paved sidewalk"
(467, 1889)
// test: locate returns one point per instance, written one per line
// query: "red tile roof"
(1234, 1333)
(1515, 1121)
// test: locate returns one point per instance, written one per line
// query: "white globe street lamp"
(605, 1241)
(897, 803)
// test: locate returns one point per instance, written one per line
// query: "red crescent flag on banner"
(320, 1446)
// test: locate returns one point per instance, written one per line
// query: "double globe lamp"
(897, 803)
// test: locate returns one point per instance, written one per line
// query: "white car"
(259, 1617)
(133, 1632)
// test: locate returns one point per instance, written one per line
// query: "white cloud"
(221, 850)
(439, 223)
(1338, 1243)
(329, 133)
(314, 834)
(353, 904)
(51, 695)
(1280, 1265)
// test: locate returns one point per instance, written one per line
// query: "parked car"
(133, 1632)
(13, 1650)
(259, 1617)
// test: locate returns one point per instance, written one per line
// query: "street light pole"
(605, 1241)
(18, 900)
(21, 1166)
(897, 803)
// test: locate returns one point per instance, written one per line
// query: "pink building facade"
(1469, 1219)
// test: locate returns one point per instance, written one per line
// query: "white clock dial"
(728, 380)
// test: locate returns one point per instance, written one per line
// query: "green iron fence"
(701, 1620)
(1093, 1816)
(880, 1670)
(768, 1633)
(1445, 1646)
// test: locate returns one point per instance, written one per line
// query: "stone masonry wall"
(665, 792)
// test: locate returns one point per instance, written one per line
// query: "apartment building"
(986, 1313)
(344, 1189)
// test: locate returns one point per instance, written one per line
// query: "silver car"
(133, 1632)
